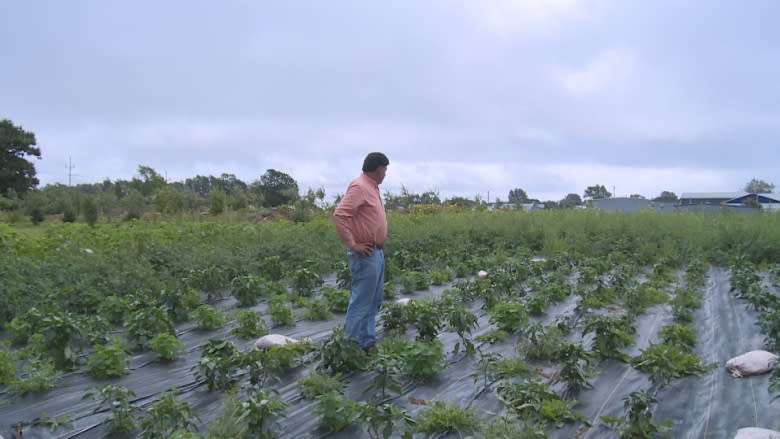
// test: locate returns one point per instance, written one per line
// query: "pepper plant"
(166, 345)
(637, 421)
(117, 399)
(218, 364)
(341, 354)
(250, 324)
(167, 415)
(108, 361)
(246, 289)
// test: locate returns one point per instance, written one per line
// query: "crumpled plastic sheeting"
(711, 406)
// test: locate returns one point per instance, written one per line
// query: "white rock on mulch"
(751, 363)
(403, 301)
(482, 274)
(757, 433)
(270, 340)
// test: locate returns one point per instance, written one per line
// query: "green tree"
(428, 197)
(150, 181)
(169, 199)
(34, 206)
(278, 188)
(135, 205)
(16, 172)
(90, 210)
(199, 184)
(230, 184)
(597, 192)
(756, 186)
(517, 196)
(459, 201)
(571, 201)
(217, 201)
(666, 196)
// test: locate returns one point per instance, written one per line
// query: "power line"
(71, 166)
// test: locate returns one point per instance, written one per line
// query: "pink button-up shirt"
(360, 215)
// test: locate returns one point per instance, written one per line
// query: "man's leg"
(378, 294)
(361, 305)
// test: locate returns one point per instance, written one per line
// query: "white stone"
(757, 433)
(403, 301)
(751, 363)
(270, 340)
(482, 274)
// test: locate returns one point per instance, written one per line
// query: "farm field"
(587, 324)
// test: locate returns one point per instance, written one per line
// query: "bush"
(280, 312)
(39, 376)
(166, 345)
(107, 361)
(441, 418)
(167, 415)
(208, 317)
(247, 289)
(117, 399)
(250, 325)
(336, 411)
(316, 384)
(7, 367)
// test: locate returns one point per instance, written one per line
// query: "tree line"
(149, 191)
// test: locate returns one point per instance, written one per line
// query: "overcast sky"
(465, 97)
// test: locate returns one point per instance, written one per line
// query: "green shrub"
(89, 208)
(682, 335)
(341, 354)
(280, 312)
(304, 281)
(39, 376)
(426, 315)
(166, 345)
(665, 362)
(218, 364)
(509, 317)
(394, 318)
(113, 309)
(145, 323)
(108, 361)
(317, 309)
(7, 367)
(250, 325)
(338, 298)
(117, 400)
(315, 384)
(208, 317)
(336, 411)
(423, 359)
(258, 411)
(637, 421)
(247, 289)
(166, 416)
(441, 418)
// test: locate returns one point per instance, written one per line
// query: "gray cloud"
(466, 97)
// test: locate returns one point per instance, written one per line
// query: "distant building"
(730, 200)
(621, 204)
(695, 202)
(713, 198)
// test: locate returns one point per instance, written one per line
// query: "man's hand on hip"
(363, 248)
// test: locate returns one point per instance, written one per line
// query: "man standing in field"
(362, 226)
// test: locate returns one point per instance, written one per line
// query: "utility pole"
(70, 169)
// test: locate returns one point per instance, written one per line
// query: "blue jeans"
(368, 277)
